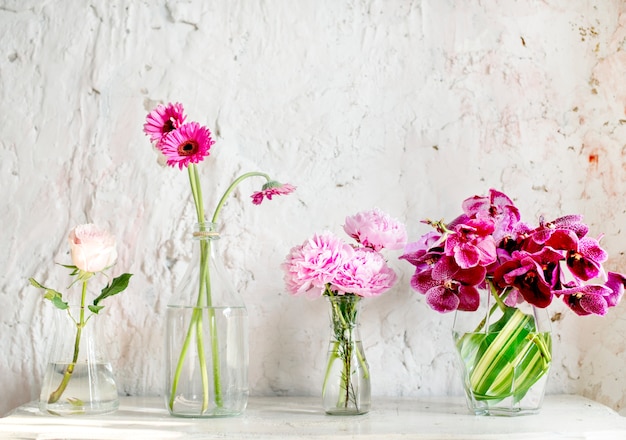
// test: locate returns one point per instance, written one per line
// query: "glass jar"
(78, 378)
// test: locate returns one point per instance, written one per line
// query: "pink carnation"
(376, 229)
(365, 274)
(310, 266)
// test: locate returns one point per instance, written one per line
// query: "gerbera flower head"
(190, 143)
(164, 119)
(271, 189)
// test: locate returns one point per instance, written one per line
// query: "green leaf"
(95, 309)
(117, 285)
(55, 297)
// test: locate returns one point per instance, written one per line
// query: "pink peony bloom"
(93, 249)
(364, 274)
(188, 144)
(376, 229)
(162, 120)
(311, 266)
(271, 189)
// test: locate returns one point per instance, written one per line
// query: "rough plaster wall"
(410, 106)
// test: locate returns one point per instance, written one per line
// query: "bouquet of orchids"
(324, 265)
(488, 248)
(184, 144)
(93, 251)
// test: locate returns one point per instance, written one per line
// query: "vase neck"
(344, 311)
(205, 231)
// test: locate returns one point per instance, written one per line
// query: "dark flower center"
(187, 148)
(168, 126)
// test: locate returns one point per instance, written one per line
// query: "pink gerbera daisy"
(270, 189)
(162, 120)
(189, 143)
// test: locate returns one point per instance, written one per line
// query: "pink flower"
(93, 249)
(162, 120)
(472, 243)
(498, 207)
(312, 265)
(188, 144)
(270, 189)
(376, 230)
(365, 274)
(449, 287)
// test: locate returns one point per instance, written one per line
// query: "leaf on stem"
(55, 297)
(117, 285)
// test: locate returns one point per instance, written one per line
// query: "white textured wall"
(410, 106)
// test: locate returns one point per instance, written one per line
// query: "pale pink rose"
(376, 229)
(365, 274)
(93, 249)
(313, 264)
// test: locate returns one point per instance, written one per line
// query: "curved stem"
(67, 375)
(230, 189)
(205, 297)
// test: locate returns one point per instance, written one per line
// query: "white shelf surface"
(562, 417)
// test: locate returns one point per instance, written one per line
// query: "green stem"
(204, 294)
(508, 357)
(343, 320)
(67, 375)
(230, 189)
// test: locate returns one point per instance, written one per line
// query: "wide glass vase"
(346, 389)
(78, 377)
(504, 355)
(207, 337)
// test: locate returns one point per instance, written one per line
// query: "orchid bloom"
(497, 206)
(471, 244)
(531, 275)
(449, 287)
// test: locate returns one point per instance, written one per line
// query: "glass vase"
(207, 337)
(78, 378)
(346, 388)
(504, 355)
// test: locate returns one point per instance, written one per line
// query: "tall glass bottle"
(207, 337)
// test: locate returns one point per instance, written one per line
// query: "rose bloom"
(376, 229)
(93, 249)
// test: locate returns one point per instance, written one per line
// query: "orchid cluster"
(489, 243)
(326, 265)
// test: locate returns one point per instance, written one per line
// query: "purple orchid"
(489, 244)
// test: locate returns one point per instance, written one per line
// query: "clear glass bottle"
(207, 337)
(78, 379)
(346, 389)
